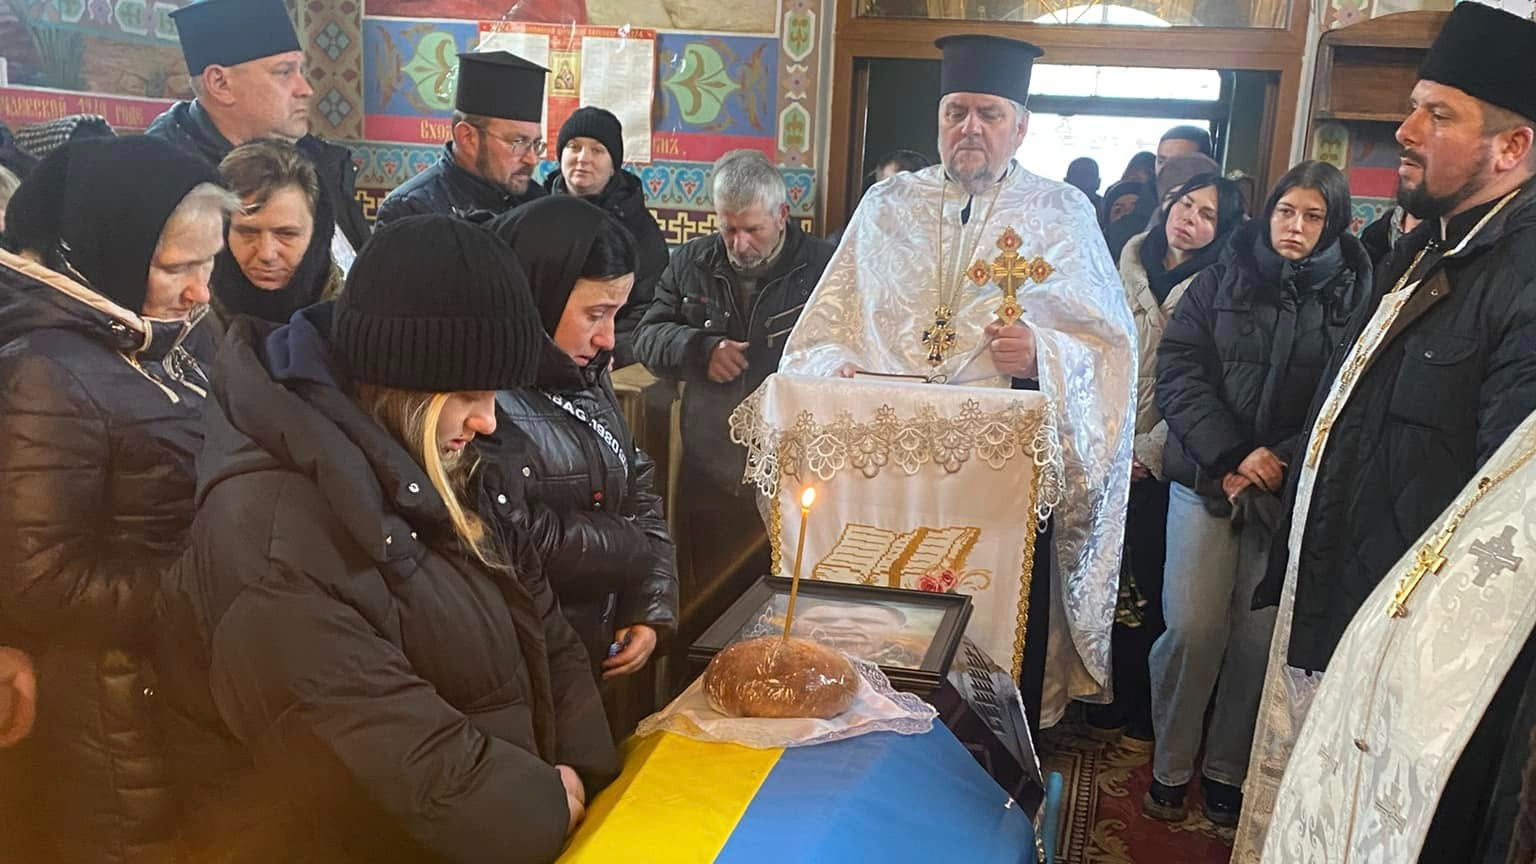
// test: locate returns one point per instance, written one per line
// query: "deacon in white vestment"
(978, 272)
(1429, 673)
(1440, 371)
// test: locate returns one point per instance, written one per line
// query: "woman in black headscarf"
(1237, 369)
(277, 259)
(101, 420)
(580, 263)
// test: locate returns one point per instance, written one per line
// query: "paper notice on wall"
(606, 67)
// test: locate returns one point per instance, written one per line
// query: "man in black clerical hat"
(497, 142)
(247, 71)
(895, 301)
(1442, 368)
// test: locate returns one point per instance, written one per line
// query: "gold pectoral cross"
(941, 336)
(1010, 271)
(1430, 559)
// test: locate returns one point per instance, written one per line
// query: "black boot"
(1165, 803)
(1223, 803)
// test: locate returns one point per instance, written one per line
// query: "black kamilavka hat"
(231, 32)
(1489, 54)
(500, 84)
(986, 64)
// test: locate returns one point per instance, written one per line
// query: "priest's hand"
(848, 370)
(1139, 471)
(1013, 349)
(575, 796)
(727, 361)
(1264, 470)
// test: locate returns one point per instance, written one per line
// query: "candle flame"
(808, 497)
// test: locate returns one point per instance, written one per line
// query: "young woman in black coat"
(356, 665)
(1237, 368)
(580, 264)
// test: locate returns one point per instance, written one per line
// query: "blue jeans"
(1208, 583)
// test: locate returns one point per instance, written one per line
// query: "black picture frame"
(948, 615)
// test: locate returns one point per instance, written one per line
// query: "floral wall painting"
(125, 47)
(717, 85)
(697, 16)
(727, 75)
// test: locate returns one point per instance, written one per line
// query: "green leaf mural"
(433, 69)
(701, 84)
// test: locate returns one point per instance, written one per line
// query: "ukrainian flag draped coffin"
(878, 797)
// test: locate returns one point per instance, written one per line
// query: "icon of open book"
(868, 555)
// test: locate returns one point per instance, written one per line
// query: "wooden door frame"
(855, 39)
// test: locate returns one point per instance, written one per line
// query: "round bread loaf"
(771, 676)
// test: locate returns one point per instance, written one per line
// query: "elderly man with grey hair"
(723, 310)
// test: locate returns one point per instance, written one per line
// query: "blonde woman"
(358, 667)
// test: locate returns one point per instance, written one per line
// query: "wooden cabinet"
(1360, 91)
(1366, 71)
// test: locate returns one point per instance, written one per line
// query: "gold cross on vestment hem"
(1430, 559)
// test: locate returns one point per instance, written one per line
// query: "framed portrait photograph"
(911, 635)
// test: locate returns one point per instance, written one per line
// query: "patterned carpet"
(1101, 808)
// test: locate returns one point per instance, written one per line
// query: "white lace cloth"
(876, 708)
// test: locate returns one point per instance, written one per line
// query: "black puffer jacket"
(624, 197)
(344, 681)
(446, 188)
(575, 471)
(100, 425)
(188, 126)
(1242, 356)
(1454, 376)
(695, 308)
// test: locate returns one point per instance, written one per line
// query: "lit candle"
(807, 498)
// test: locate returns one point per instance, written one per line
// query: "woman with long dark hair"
(1156, 268)
(1237, 369)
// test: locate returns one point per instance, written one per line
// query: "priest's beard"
(975, 179)
(1418, 200)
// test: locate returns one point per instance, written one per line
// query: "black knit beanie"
(437, 305)
(101, 204)
(598, 124)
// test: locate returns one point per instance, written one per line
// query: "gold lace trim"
(822, 451)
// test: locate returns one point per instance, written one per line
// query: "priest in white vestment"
(1433, 670)
(977, 272)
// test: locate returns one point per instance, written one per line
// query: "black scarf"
(1306, 275)
(234, 294)
(1154, 248)
(552, 238)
